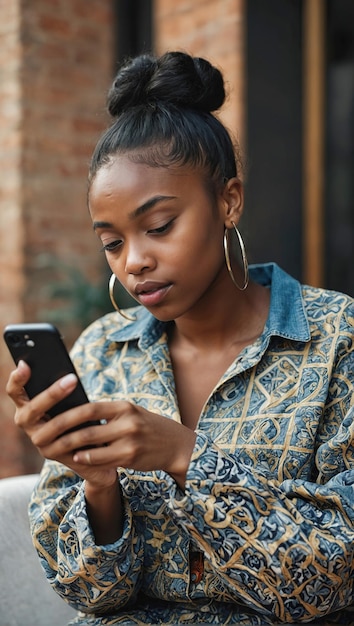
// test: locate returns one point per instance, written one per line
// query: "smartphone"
(42, 347)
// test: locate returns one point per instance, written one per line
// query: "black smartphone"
(42, 347)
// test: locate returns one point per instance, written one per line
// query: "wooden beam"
(313, 140)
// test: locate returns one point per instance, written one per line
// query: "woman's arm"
(104, 510)
(90, 577)
(285, 549)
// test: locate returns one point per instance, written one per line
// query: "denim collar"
(287, 317)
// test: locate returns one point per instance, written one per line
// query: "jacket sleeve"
(90, 578)
(285, 549)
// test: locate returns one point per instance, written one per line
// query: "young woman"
(219, 486)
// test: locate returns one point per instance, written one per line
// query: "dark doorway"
(134, 32)
(273, 216)
(339, 178)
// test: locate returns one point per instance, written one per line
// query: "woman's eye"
(112, 245)
(161, 229)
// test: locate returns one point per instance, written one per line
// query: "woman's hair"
(162, 109)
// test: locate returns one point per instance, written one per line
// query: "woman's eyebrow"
(149, 204)
(97, 225)
(140, 210)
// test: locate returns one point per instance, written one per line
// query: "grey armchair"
(26, 598)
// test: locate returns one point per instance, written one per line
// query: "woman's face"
(162, 234)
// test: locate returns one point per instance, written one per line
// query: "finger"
(39, 406)
(56, 392)
(17, 380)
(95, 457)
(103, 431)
(69, 431)
(105, 414)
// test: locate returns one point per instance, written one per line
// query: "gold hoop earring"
(111, 283)
(243, 255)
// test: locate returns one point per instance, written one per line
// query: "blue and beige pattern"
(269, 497)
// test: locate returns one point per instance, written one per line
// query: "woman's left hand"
(132, 437)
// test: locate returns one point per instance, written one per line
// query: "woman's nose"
(137, 259)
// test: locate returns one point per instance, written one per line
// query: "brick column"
(213, 29)
(56, 64)
(11, 227)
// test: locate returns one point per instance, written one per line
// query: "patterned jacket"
(268, 509)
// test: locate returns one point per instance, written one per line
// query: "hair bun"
(175, 77)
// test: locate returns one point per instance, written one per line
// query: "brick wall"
(56, 63)
(67, 69)
(55, 67)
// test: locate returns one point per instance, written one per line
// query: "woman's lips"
(150, 294)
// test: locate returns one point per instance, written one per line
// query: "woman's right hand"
(31, 416)
(102, 491)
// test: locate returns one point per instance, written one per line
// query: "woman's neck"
(238, 318)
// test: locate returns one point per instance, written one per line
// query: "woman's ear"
(233, 201)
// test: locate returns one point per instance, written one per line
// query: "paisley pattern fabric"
(269, 498)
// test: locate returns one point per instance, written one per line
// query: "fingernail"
(21, 364)
(68, 381)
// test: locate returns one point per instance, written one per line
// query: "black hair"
(162, 109)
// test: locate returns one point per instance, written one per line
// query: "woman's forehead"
(123, 171)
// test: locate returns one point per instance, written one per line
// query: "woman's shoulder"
(113, 321)
(330, 312)
(113, 327)
(327, 300)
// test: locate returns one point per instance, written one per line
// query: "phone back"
(41, 346)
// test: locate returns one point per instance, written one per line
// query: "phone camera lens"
(15, 340)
